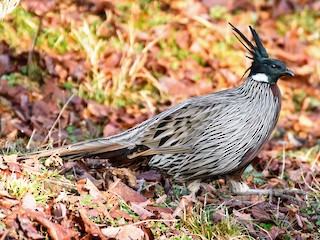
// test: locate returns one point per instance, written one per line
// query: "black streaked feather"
(158, 132)
(162, 124)
(258, 52)
(245, 72)
(258, 42)
(164, 139)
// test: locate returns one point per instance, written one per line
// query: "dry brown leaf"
(181, 209)
(260, 214)
(56, 231)
(305, 122)
(217, 217)
(142, 212)
(7, 202)
(111, 232)
(28, 228)
(110, 129)
(118, 214)
(155, 209)
(93, 191)
(128, 232)
(184, 88)
(126, 193)
(29, 202)
(90, 227)
(39, 7)
(59, 211)
(299, 220)
(242, 216)
(150, 175)
(5, 64)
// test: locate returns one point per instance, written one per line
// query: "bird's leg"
(235, 183)
(240, 188)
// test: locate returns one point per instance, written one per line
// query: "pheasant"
(203, 138)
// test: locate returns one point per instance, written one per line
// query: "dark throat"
(276, 91)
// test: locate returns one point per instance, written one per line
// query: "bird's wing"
(175, 131)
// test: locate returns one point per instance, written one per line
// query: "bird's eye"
(274, 66)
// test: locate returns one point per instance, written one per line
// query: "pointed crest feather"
(257, 51)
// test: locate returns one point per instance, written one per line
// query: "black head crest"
(257, 51)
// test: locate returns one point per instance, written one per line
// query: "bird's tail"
(118, 153)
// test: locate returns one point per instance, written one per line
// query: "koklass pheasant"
(203, 138)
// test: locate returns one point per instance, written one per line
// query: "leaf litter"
(150, 58)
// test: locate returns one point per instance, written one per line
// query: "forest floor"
(76, 70)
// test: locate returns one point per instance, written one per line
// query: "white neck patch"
(260, 77)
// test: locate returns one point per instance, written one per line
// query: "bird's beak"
(288, 72)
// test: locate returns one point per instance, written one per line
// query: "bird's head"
(263, 68)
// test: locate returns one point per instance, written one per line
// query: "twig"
(58, 118)
(315, 161)
(281, 193)
(283, 160)
(30, 54)
(30, 139)
(59, 183)
(155, 220)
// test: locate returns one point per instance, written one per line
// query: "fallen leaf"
(59, 211)
(93, 190)
(7, 202)
(29, 202)
(126, 193)
(242, 216)
(56, 231)
(28, 228)
(118, 214)
(260, 214)
(110, 130)
(97, 109)
(90, 227)
(5, 64)
(299, 220)
(217, 217)
(111, 232)
(182, 207)
(150, 175)
(142, 212)
(128, 232)
(39, 7)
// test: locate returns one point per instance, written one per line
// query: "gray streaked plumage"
(204, 137)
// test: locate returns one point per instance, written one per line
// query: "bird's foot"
(240, 188)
